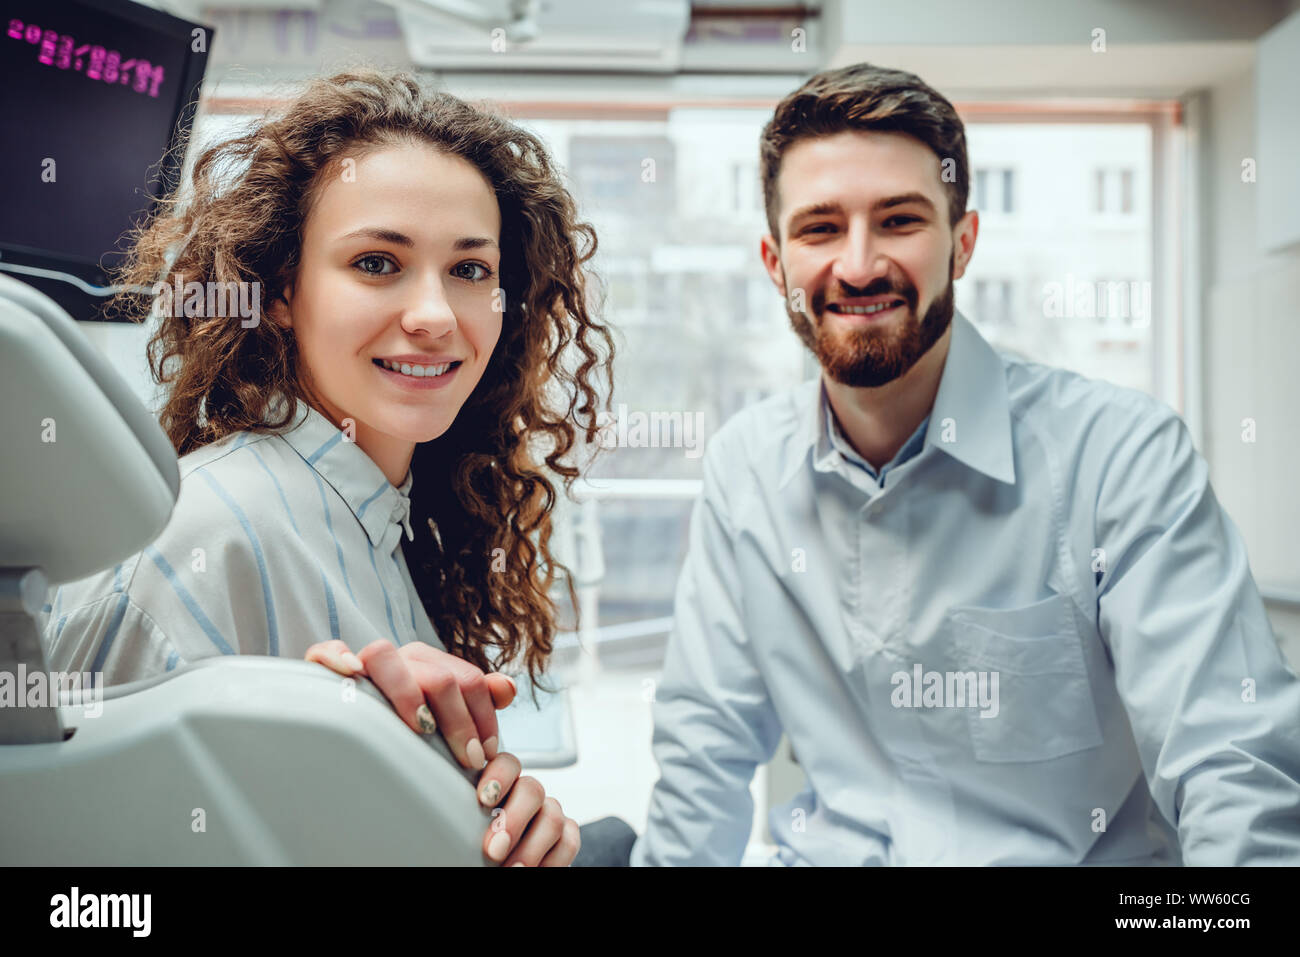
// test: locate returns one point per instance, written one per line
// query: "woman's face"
(400, 259)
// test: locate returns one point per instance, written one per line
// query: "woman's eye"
(372, 260)
(466, 271)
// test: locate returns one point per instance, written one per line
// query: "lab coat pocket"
(1044, 705)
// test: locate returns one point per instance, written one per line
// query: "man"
(995, 606)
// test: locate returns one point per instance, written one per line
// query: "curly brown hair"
(481, 487)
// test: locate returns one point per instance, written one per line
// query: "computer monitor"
(96, 93)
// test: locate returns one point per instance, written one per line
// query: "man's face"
(867, 258)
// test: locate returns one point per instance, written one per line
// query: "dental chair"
(227, 760)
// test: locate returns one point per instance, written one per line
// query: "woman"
(423, 305)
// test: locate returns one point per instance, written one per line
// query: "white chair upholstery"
(228, 760)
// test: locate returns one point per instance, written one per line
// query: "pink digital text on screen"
(100, 64)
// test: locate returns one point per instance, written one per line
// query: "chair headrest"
(89, 475)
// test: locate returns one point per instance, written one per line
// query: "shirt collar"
(375, 501)
(840, 443)
(970, 419)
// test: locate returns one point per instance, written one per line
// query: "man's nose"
(429, 309)
(860, 260)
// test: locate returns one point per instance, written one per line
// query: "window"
(626, 172)
(1123, 306)
(747, 195)
(701, 330)
(993, 302)
(1068, 281)
(703, 333)
(995, 190)
(1112, 191)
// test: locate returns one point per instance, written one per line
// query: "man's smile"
(866, 308)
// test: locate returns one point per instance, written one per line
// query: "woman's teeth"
(415, 371)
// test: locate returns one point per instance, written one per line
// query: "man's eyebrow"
(401, 239)
(816, 209)
(889, 202)
(903, 198)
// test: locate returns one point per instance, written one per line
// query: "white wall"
(997, 22)
(1251, 345)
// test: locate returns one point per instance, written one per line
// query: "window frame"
(1176, 202)
(1175, 125)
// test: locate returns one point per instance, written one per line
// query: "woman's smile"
(406, 376)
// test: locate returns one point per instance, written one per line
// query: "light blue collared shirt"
(840, 442)
(1056, 532)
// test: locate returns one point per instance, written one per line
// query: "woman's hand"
(529, 828)
(431, 691)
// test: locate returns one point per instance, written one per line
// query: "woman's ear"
(279, 309)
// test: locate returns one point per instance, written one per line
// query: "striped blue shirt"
(277, 541)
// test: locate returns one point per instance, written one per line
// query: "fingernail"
(512, 684)
(474, 751)
(352, 661)
(425, 718)
(518, 864)
(499, 846)
(491, 791)
(490, 746)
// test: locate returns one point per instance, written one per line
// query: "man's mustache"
(880, 287)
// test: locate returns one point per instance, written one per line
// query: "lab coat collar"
(970, 419)
(375, 501)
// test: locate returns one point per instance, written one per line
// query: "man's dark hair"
(866, 97)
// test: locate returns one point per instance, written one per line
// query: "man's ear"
(963, 242)
(770, 251)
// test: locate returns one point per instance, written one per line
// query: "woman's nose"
(429, 310)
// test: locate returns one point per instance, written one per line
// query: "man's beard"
(875, 353)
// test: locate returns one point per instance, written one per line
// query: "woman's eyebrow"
(381, 234)
(473, 242)
(401, 239)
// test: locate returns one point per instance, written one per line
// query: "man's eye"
(902, 220)
(466, 271)
(372, 260)
(818, 228)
